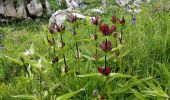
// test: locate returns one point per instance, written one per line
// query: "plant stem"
(54, 46)
(77, 49)
(96, 49)
(105, 54)
(65, 63)
(41, 86)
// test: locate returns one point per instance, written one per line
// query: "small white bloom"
(29, 52)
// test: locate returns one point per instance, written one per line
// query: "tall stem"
(77, 49)
(54, 46)
(96, 49)
(105, 54)
(65, 64)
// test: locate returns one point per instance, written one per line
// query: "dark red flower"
(114, 19)
(56, 28)
(122, 21)
(72, 18)
(95, 20)
(106, 46)
(104, 28)
(104, 71)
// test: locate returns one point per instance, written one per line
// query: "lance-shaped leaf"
(68, 95)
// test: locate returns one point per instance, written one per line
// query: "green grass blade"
(25, 97)
(68, 95)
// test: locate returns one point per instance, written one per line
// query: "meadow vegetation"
(76, 61)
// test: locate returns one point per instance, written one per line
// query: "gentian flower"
(106, 46)
(104, 28)
(72, 19)
(95, 20)
(129, 8)
(114, 19)
(133, 20)
(56, 28)
(104, 71)
(122, 21)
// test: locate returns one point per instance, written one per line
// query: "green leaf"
(89, 75)
(68, 95)
(28, 97)
(14, 60)
(88, 57)
(137, 94)
(116, 75)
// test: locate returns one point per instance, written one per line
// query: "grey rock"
(58, 17)
(10, 9)
(35, 8)
(21, 10)
(2, 7)
(48, 7)
(73, 4)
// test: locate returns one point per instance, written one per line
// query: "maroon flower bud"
(122, 21)
(72, 18)
(104, 28)
(56, 28)
(95, 20)
(104, 71)
(106, 46)
(114, 19)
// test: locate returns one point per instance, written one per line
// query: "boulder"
(72, 4)
(47, 5)
(21, 10)
(61, 15)
(10, 9)
(2, 12)
(35, 8)
(58, 17)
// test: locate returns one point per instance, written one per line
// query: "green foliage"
(27, 71)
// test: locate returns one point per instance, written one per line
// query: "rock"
(72, 4)
(2, 12)
(97, 11)
(10, 9)
(61, 15)
(58, 17)
(35, 8)
(122, 2)
(80, 16)
(21, 10)
(47, 5)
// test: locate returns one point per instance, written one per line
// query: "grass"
(143, 62)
